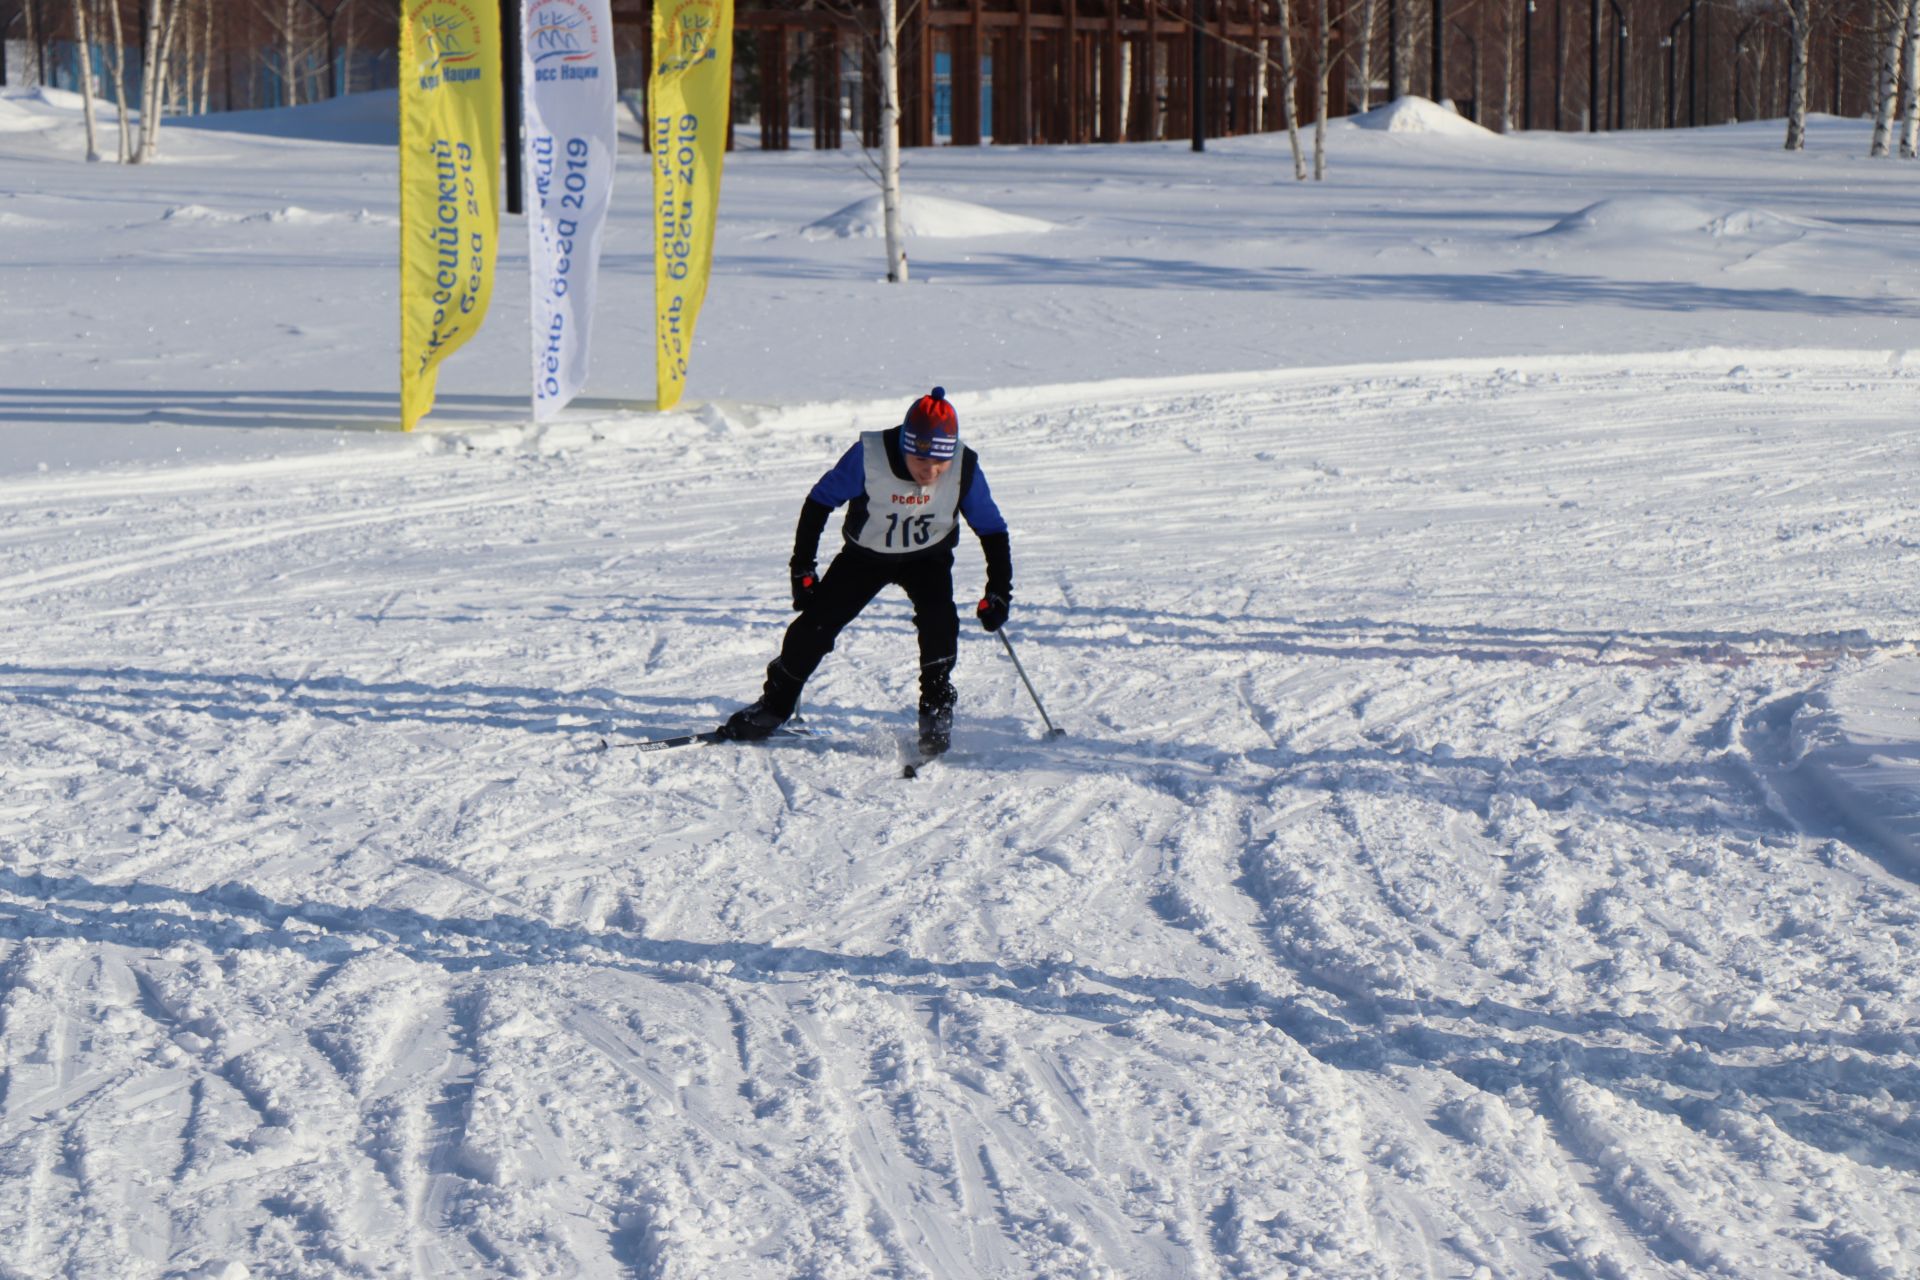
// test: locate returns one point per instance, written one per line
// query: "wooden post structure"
(869, 96)
(966, 79)
(1197, 73)
(1023, 76)
(1113, 123)
(826, 89)
(1088, 71)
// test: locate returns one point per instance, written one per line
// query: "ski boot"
(774, 707)
(936, 716)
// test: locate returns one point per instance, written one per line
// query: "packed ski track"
(1422, 887)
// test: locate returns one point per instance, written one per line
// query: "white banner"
(568, 79)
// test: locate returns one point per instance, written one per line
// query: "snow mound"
(199, 213)
(930, 217)
(17, 117)
(368, 119)
(1646, 217)
(1859, 739)
(292, 215)
(31, 110)
(1413, 114)
(1762, 222)
(59, 99)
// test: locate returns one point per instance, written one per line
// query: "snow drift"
(924, 217)
(1414, 114)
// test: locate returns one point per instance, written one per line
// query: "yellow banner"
(687, 96)
(450, 124)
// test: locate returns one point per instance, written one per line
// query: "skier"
(905, 490)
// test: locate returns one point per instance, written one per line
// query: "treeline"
(213, 55)
(1640, 64)
(1508, 64)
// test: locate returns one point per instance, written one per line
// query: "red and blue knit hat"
(932, 428)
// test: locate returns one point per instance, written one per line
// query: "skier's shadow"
(1487, 1044)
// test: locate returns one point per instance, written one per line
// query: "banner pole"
(512, 25)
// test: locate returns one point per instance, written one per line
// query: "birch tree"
(1369, 11)
(1800, 23)
(83, 38)
(1910, 74)
(162, 21)
(1289, 89)
(890, 140)
(196, 57)
(1322, 67)
(329, 15)
(293, 39)
(886, 47)
(34, 42)
(206, 64)
(117, 68)
(1512, 74)
(1289, 82)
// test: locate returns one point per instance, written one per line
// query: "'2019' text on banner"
(687, 103)
(571, 135)
(450, 123)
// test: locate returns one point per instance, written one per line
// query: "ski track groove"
(958, 1100)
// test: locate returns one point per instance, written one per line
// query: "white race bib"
(903, 517)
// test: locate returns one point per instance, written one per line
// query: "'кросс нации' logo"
(563, 39)
(446, 42)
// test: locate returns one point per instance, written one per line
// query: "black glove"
(804, 579)
(992, 610)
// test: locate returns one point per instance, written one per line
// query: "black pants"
(850, 584)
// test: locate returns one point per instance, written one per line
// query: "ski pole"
(1052, 731)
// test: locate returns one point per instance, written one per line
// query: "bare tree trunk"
(150, 61)
(289, 56)
(334, 87)
(1322, 68)
(34, 44)
(890, 140)
(183, 73)
(1910, 74)
(1260, 87)
(1509, 80)
(161, 23)
(1363, 51)
(1800, 11)
(85, 40)
(206, 62)
(1289, 89)
(1888, 77)
(117, 65)
(346, 71)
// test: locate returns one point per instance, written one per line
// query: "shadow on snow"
(1687, 1071)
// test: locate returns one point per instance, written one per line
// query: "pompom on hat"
(932, 428)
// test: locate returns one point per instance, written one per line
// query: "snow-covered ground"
(1477, 589)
